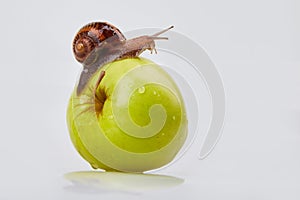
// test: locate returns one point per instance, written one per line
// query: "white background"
(255, 46)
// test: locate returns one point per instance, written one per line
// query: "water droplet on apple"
(110, 117)
(173, 117)
(154, 92)
(142, 90)
(163, 134)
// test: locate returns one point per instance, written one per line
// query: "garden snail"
(99, 43)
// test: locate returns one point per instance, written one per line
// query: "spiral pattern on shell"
(136, 121)
(91, 35)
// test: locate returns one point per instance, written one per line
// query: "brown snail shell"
(91, 35)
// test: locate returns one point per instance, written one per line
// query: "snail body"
(99, 43)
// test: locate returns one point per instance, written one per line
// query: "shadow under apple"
(106, 182)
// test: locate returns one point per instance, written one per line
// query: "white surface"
(256, 47)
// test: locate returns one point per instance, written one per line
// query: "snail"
(99, 43)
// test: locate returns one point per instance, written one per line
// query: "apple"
(133, 121)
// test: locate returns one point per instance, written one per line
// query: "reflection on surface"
(95, 181)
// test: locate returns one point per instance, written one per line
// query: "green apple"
(133, 121)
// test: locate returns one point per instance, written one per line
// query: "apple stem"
(102, 74)
(99, 97)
